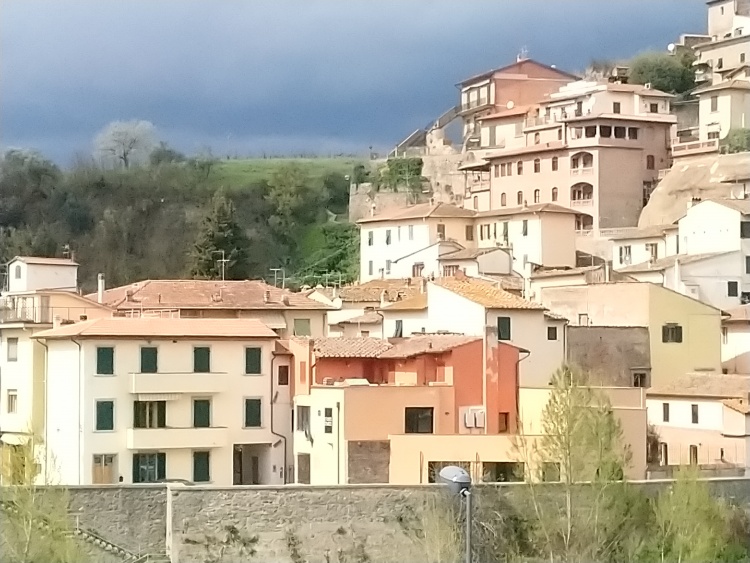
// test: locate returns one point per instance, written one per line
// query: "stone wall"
(609, 354)
(362, 198)
(369, 461)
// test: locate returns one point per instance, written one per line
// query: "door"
(237, 466)
(303, 469)
(103, 470)
(255, 469)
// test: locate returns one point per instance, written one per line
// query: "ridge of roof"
(486, 294)
(420, 211)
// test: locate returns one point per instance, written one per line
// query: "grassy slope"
(236, 173)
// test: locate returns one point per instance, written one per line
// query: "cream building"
(147, 399)
(735, 340)
(702, 419)
(729, 44)
(38, 291)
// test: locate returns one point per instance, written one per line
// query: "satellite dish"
(510, 104)
(671, 47)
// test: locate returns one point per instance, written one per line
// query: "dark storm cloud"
(317, 76)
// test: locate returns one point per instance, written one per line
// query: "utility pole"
(223, 261)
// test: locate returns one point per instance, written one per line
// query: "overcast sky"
(284, 77)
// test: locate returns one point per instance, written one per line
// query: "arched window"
(519, 198)
(537, 195)
(555, 164)
(537, 165)
(582, 192)
(581, 160)
(476, 202)
(519, 167)
(503, 201)
(559, 134)
(536, 138)
(554, 194)
(650, 162)
(17, 272)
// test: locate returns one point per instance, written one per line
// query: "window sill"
(253, 374)
(104, 375)
(104, 431)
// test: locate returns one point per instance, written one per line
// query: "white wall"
(710, 227)
(449, 311)
(413, 321)
(710, 412)
(227, 407)
(711, 277)
(638, 251)
(17, 375)
(735, 348)
(328, 452)
(403, 242)
(41, 276)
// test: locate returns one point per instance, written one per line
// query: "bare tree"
(126, 142)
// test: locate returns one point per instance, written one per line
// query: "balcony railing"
(581, 202)
(26, 315)
(174, 438)
(662, 173)
(481, 102)
(698, 147)
(189, 382)
(587, 171)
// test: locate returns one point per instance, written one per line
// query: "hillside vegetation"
(144, 221)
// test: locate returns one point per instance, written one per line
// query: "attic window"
(17, 272)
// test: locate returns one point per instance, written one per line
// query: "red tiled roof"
(432, 344)
(338, 347)
(485, 294)
(45, 261)
(421, 211)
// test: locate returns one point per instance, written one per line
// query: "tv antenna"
(223, 261)
(276, 277)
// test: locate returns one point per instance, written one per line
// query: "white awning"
(158, 396)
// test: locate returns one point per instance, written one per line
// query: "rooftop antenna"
(223, 261)
(276, 277)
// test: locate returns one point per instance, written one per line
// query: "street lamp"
(459, 483)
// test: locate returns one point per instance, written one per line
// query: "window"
(537, 165)
(201, 467)
(615, 107)
(283, 375)
(650, 162)
(744, 229)
(441, 231)
(418, 420)
(370, 238)
(525, 227)
(505, 230)
(653, 108)
(17, 272)
(303, 418)
(713, 135)
(605, 131)
(502, 422)
(411, 232)
(619, 132)
(475, 202)
(714, 103)
(747, 264)
(625, 254)
(496, 168)
(105, 360)
(12, 401)
(519, 167)
(149, 468)
(202, 359)
(12, 349)
(302, 327)
(694, 414)
(671, 333)
(720, 63)
(633, 133)
(742, 57)
(554, 194)
(253, 360)
(369, 267)
(149, 356)
(537, 138)
(398, 234)
(665, 412)
(449, 271)
(416, 270)
(537, 196)
(328, 421)
(519, 198)
(652, 249)
(559, 134)
(724, 335)
(733, 289)
(105, 415)
(103, 469)
(201, 413)
(252, 413)
(149, 414)
(639, 379)
(590, 131)
(388, 236)
(388, 266)
(399, 332)
(504, 170)
(469, 232)
(503, 328)
(551, 333)
(693, 455)
(503, 472)
(555, 163)
(663, 453)
(583, 319)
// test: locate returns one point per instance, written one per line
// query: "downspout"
(80, 414)
(382, 324)
(273, 359)
(44, 389)
(518, 386)
(338, 442)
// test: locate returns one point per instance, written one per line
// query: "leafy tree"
(219, 232)
(665, 72)
(295, 199)
(164, 154)
(337, 256)
(337, 187)
(126, 142)
(737, 140)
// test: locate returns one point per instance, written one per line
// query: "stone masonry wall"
(369, 461)
(192, 521)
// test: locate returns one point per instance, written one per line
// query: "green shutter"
(105, 415)
(148, 359)
(201, 413)
(503, 328)
(136, 468)
(201, 467)
(252, 413)
(161, 414)
(105, 360)
(252, 361)
(201, 359)
(161, 466)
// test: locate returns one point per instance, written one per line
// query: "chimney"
(383, 298)
(606, 272)
(285, 300)
(57, 321)
(423, 285)
(266, 296)
(100, 288)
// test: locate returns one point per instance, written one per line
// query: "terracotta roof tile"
(349, 347)
(421, 211)
(166, 328)
(534, 208)
(46, 261)
(740, 405)
(432, 344)
(486, 294)
(371, 291)
(205, 294)
(705, 385)
(739, 314)
(370, 317)
(417, 302)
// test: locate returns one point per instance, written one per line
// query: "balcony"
(587, 171)
(188, 382)
(581, 203)
(698, 147)
(475, 104)
(175, 438)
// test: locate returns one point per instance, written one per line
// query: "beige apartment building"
(596, 148)
(728, 44)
